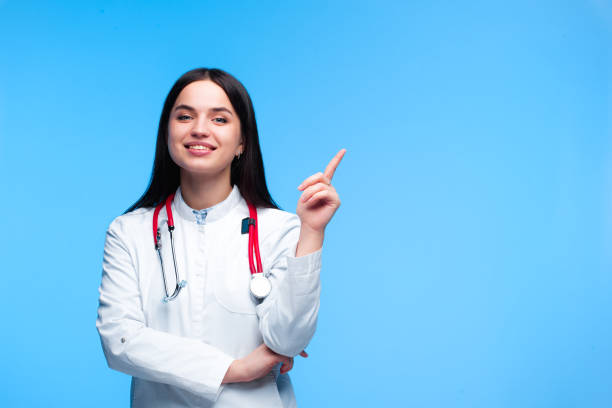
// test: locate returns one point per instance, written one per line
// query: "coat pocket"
(232, 287)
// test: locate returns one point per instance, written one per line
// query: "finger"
(303, 353)
(286, 367)
(331, 167)
(310, 191)
(324, 195)
(317, 177)
(285, 364)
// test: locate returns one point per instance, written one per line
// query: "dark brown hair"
(246, 172)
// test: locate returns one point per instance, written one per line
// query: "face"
(204, 130)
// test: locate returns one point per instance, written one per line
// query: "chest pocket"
(232, 286)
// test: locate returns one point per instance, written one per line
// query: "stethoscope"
(260, 285)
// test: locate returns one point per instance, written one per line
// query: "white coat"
(178, 352)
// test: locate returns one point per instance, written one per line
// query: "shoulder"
(133, 222)
(277, 217)
(275, 224)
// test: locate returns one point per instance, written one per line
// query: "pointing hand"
(319, 200)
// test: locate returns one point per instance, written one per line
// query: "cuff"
(303, 273)
(223, 367)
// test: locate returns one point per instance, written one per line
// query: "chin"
(199, 171)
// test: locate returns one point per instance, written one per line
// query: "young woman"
(208, 289)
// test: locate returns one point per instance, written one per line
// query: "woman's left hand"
(319, 200)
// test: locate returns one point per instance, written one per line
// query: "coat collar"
(211, 214)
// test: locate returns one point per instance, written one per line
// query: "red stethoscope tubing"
(254, 242)
(253, 232)
(167, 203)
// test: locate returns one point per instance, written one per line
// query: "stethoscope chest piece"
(260, 285)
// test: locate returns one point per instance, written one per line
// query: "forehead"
(203, 95)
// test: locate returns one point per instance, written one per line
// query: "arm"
(137, 350)
(288, 316)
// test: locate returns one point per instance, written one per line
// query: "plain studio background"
(470, 262)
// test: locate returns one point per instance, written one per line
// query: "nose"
(200, 127)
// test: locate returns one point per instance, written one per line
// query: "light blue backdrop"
(470, 262)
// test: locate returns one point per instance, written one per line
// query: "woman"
(180, 318)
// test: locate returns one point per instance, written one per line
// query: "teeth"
(198, 147)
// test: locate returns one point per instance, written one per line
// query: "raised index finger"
(331, 167)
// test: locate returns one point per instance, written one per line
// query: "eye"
(184, 117)
(220, 120)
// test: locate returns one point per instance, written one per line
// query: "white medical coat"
(178, 352)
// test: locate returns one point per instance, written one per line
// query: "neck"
(201, 192)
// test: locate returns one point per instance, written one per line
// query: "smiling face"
(204, 131)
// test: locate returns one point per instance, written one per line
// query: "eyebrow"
(215, 109)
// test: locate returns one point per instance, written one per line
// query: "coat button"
(123, 339)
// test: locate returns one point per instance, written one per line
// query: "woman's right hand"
(257, 364)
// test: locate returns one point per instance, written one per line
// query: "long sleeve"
(135, 349)
(288, 315)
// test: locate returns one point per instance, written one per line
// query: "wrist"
(235, 373)
(310, 241)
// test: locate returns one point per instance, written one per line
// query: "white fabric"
(178, 352)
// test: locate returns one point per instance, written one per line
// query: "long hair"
(247, 172)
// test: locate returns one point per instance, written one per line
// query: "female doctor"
(179, 308)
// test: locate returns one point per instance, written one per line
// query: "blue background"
(470, 262)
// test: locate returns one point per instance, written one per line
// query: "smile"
(199, 147)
